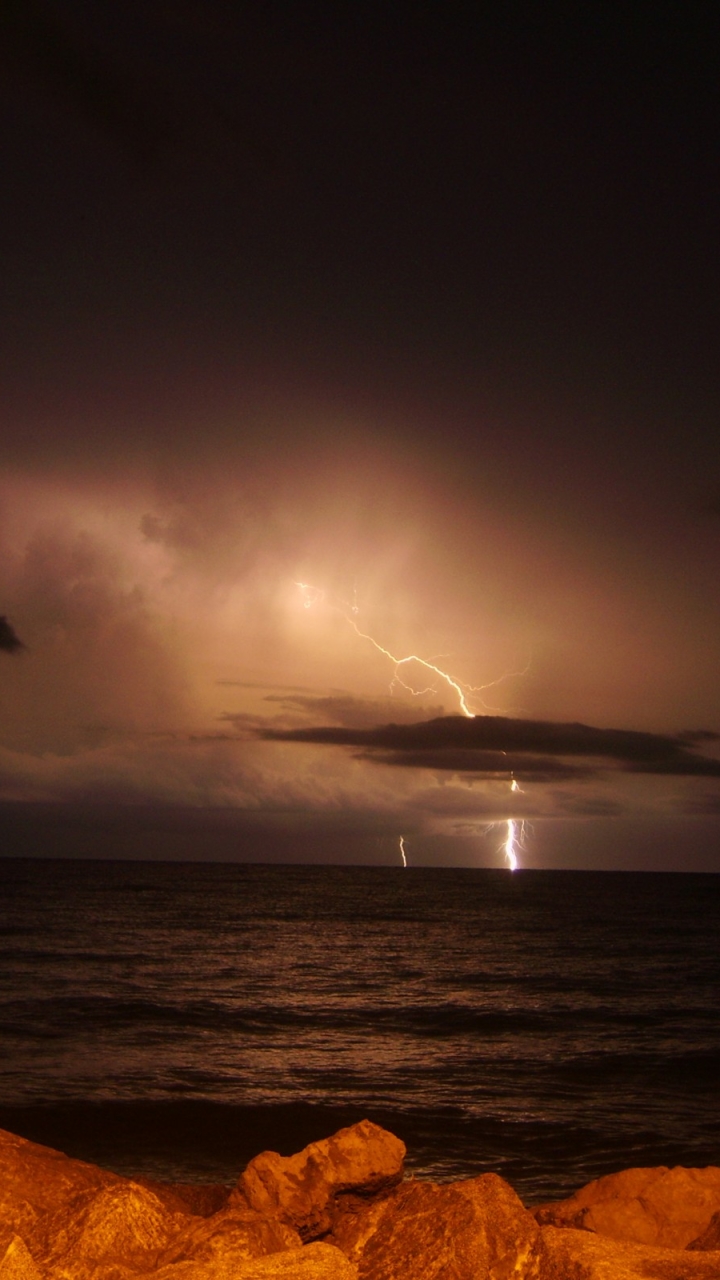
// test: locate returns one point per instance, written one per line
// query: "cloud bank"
(491, 746)
(171, 660)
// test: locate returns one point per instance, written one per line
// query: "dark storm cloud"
(498, 744)
(10, 642)
(298, 709)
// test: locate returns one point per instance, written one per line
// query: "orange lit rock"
(17, 1264)
(221, 1244)
(62, 1219)
(469, 1230)
(569, 1254)
(201, 1199)
(318, 1261)
(126, 1232)
(666, 1207)
(124, 1225)
(38, 1186)
(710, 1238)
(300, 1189)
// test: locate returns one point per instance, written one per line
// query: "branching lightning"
(515, 830)
(315, 595)
(510, 845)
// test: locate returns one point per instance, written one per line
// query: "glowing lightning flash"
(429, 666)
(509, 845)
(315, 595)
(514, 841)
(311, 595)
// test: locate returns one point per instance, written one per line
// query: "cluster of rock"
(341, 1210)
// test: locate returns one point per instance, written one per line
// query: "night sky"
(418, 310)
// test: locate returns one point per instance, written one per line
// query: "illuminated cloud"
(171, 662)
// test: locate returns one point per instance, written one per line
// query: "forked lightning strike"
(429, 666)
(509, 845)
(514, 840)
(315, 595)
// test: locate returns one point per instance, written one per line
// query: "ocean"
(173, 1019)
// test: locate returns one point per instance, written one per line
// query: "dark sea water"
(175, 1019)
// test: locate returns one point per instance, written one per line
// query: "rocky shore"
(341, 1209)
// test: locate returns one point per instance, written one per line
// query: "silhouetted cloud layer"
(534, 749)
(10, 642)
(338, 709)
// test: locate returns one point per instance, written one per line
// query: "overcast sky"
(417, 311)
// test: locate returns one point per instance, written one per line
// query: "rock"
(127, 1232)
(63, 1219)
(199, 1198)
(37, 1184)
(572, 1254)
(124, 1226)
(661, 1206)
(710, 1238)
(228, 1240)
(300, 1189)
(469, 1230)
(17, 1263)
(316, 1261)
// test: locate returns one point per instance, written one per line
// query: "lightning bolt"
(514, 842)
(515, 831)
(510, 845)
(315, 595)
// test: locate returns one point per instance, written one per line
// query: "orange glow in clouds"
(515, 832)
(315, 595)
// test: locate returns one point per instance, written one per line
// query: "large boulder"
(73, 1221)
(318, 1261)
(17, 1263)
(473, 1230)
(39, 1187)
(314, 1262)
(661, 1206)
(710, 1237)
(565, 1253)
(224, 1243)
(126, 1232)
(199, 1198)
(123, 1226)
(301, 1190)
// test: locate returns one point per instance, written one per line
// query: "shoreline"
(344, 1208)
(206, 1142)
